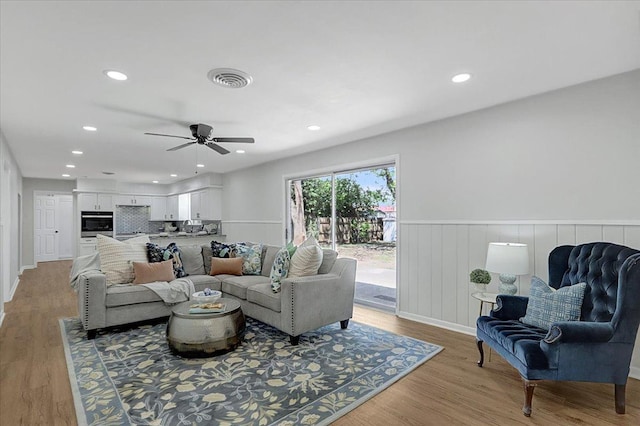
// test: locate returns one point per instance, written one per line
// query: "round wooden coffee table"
(204, 335)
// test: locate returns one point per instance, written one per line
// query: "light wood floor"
(447, 390)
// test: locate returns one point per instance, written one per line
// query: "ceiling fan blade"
(217, 148)
(175, 148)
(169, 136)
(233, 140)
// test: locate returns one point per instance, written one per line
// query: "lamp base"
(506, 284)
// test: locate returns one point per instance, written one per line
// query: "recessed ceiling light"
(154, 181)
(89, 128)
(240, 151)
(116, 75)
(461, 78)
(313, 127)
(173, 175)
(70, 166)
(66, 175)
(199, 165)
(77, 152)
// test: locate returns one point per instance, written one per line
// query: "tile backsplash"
(130, 219)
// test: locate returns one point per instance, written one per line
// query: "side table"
(485, 298)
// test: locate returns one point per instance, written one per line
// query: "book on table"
(207, 308)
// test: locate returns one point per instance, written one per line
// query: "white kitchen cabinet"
(132, 200)
(172, 208)
(206, 204)
(158, 210)
(91, 201)
(87, 246)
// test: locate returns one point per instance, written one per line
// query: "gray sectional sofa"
(302, 305)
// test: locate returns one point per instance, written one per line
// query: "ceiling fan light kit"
(202, 135)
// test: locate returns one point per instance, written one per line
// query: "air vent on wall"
(229, 78)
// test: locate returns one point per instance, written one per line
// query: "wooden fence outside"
(349, 230)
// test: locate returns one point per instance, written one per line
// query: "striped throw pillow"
(117, 257)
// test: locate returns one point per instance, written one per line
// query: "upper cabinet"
(158, 210)
(132, 200)
(90, 201)
(172, 208)
(206, 204)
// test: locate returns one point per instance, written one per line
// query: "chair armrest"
(510, 307)
(579, 332)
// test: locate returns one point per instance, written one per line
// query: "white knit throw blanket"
(176, 291)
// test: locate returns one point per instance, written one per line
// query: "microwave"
(94, 223)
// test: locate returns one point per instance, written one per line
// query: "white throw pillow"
(117, 257)
(306, 260)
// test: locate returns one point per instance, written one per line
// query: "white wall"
(556, 168)
(10, 226)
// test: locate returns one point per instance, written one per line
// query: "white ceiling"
(356, 69)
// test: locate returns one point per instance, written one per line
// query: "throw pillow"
(306, 260)
(231, 266)
(548, 305)
(251, 255)
(150, 272)
(155, 253)
(116, 257)
(279, 269)
(220, 249)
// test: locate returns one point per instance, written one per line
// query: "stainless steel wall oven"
(94, 223)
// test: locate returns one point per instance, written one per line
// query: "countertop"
(169, 235)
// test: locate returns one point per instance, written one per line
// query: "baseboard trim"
(634, 373)
(25, 267)
(471, 331)
(1, 318)
(14, 288)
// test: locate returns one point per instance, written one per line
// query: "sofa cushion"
(280, 269)
(127, 294)
(231, 266)
(155, 253)
(547, 305)
(251, 255)
(237, 286)
(200, 282)
(192, 260)
(145, 272)
(116, 257)
(269, 256)
(261, 294)
(307, 259)
(328, 259)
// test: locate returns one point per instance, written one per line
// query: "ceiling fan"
(202, 135)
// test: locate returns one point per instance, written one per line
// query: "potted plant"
(480, 278)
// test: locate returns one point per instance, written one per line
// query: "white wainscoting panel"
(263, 231)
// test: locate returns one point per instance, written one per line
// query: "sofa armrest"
(308, 303)
(510, 307)
(579, 332)
(92, 295)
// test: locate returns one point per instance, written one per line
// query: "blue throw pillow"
(280, 269)
(220, 249)
(251, 255)
(548, 305)
(155, 253)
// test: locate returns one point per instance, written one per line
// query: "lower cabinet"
(87, 246)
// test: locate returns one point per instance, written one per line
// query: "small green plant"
(480, 276)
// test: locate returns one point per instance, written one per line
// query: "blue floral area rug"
(130, 377)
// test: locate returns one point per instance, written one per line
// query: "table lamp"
(509, 260)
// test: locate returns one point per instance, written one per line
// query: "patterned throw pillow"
(280, 269)
(155, 253)
(220, 249)
(116, 257)
(251, 255)
(548, 305)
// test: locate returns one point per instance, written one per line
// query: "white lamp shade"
(508, 258)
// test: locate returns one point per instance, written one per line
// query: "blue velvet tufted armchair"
(597, 348)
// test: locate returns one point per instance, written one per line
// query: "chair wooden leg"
(481, 350)
(529, 386)
(620, 397)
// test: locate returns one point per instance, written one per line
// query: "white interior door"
(64, 221)
(45, 228)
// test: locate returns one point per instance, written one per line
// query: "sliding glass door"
(354, 213)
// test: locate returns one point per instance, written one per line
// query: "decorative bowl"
(199, 297)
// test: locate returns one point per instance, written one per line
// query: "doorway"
(354, 213)
(52, 227)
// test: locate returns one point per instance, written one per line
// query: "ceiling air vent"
(230, 78)
(108, 173)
